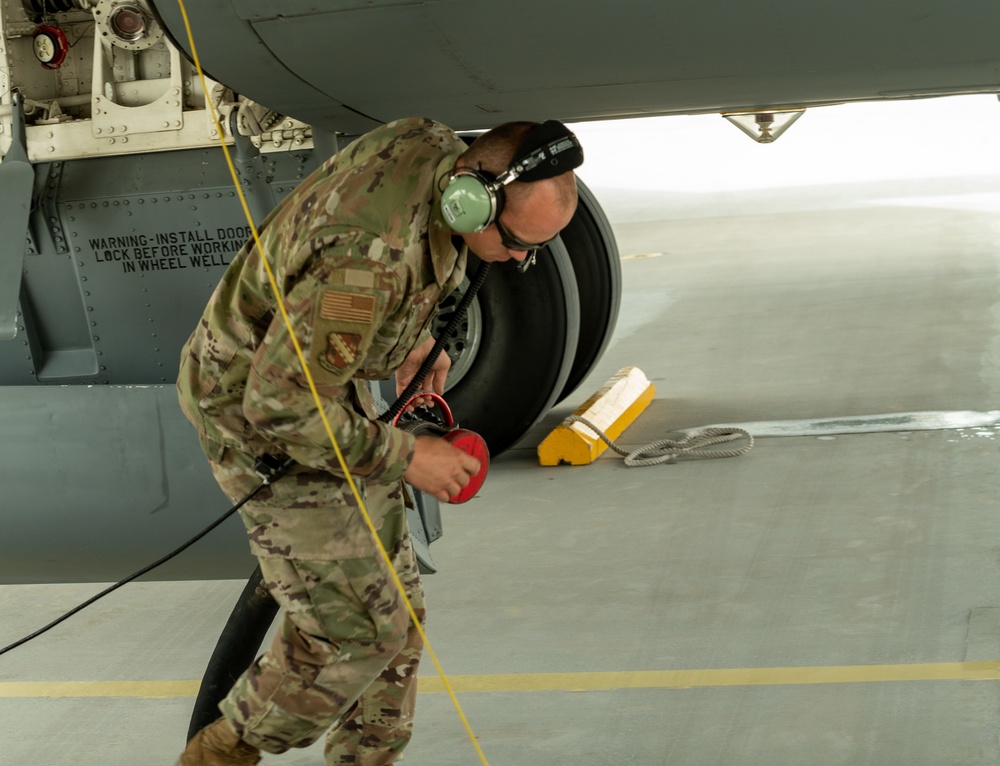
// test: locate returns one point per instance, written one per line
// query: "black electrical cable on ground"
(142, 571)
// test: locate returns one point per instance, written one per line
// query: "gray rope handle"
(668, 450)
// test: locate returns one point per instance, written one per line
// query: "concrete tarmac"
(822, 600)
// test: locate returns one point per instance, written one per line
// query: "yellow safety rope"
(316, 396)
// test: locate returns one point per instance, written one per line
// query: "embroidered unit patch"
(341, 349)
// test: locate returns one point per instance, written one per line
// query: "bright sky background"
(942, 137)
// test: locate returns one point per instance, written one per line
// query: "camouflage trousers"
(345, 655)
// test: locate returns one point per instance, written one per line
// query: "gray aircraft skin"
(113, 181)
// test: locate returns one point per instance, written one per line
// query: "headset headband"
(549, 150)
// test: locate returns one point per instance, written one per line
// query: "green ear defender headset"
(474, 199)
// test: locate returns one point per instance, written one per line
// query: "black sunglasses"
(511, 242)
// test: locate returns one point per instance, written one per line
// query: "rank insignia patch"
(347, 307)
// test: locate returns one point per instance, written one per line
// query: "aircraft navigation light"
(49, 46)
(764, 127)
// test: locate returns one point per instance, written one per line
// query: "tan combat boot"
(218, 745)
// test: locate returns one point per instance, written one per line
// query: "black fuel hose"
(235, 650)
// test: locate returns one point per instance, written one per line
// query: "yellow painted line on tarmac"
(61, 689)
(693, 679)
(567, 682)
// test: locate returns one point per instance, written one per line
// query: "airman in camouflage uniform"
(362, 256)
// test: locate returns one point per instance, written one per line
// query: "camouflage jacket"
(362, 257)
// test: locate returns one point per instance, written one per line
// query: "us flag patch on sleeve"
(347, 307)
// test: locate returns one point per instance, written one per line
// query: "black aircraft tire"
(530, 327)
(596, 264)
